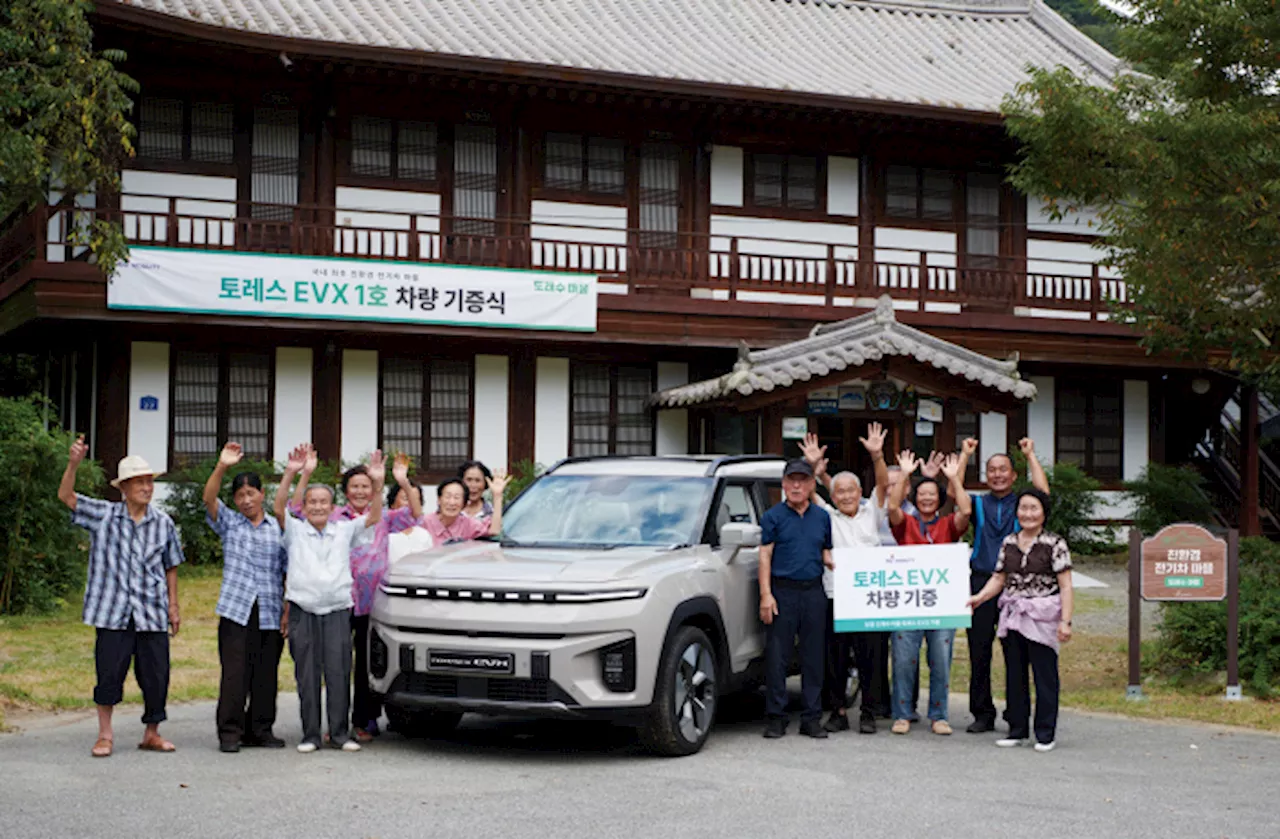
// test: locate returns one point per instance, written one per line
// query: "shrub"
(44, 556)
(1163, 495)
(1193, 636)
(522, 474)
(1075, 506)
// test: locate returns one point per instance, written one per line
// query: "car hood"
(489, 562)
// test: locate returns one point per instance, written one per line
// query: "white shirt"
(416, 540)
(861, 530)
(319, 578)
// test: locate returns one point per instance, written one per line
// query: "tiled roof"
(962, 54)
(847, 345)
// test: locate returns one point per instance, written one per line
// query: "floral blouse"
(1034, 572)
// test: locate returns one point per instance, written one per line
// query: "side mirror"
(738, 535)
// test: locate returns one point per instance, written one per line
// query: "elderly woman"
(412, 538)
(448, 524)
(475, 477)
(1033, 580)
(926, 527)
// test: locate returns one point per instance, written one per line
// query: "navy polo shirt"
(798, 540)
(993, 520)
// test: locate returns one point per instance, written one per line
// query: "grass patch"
(47, 662)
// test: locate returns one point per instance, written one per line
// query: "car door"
(736, 503)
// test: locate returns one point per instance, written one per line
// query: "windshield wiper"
(592, 546)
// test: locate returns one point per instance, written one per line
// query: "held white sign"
(275, 285)
(902, 587)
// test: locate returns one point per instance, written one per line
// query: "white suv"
(623, 588)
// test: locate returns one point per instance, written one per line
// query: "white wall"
(1086, 221)
(842, 186)
(1041, 425)
(148, 434)
(672, 425)
(1137, 422)
(557, 243)
(387, 212)
(551, 411)
(993, 438)
(726, 176)
(293, 399)
(359, 404)
(801, 259)
(145, 194)
(491, 401)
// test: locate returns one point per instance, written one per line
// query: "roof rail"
(590, 457)
(725, 460)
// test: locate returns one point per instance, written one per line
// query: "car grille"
(519, 690)
(429, 684)
(478, 687)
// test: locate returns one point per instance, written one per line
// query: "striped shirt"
(127, 565)
(254, 563)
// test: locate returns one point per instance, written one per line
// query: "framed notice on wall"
(901, 587)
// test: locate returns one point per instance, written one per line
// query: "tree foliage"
(1183, 163)
(1096, 22)
(65, 108)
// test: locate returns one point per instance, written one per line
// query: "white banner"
(902, 587)
(278, 285)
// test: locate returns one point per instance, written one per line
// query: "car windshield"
(608, 511)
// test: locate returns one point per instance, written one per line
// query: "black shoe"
(229, 748)
(837, 722)
(867, 724)
(981, 726)
(814, 729)
(775, 728)
(266, 741)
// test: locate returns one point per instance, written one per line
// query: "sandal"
(901, 727)
(157, 744)
(102, 748)
(364, 735)
(941, 727)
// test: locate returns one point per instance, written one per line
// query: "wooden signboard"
(1184, 562)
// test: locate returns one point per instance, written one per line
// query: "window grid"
(174, 130)
(968, 426)
(610, 411)
(475, 180)
(426, 407)
(659, 195)
(219, 397)
(785, 181)
(1090, 427)
(917, 193)
(398, 149)
(585, 165)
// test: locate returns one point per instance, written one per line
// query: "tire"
(684, 696)
(421, 725)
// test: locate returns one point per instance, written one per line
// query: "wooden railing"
(715, 267)
(1221, 451)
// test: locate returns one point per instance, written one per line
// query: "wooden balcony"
(713, 270)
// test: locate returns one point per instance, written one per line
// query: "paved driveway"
(1108, 778)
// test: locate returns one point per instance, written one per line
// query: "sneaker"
(941, 727)
(775, 728)
(1011, 742)
(837, 722)
(900, 727)
(351, 746)
(981, 726)
(1046, 747)
(307, 747)
(867, 724)
(814, 729)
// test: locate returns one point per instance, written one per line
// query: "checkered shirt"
(254, 563)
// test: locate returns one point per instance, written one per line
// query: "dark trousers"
(366, 708)
(113, 649)
(870, 656)
(802, 612)
(882, 692)
(321, 647)
(982, 636)
(250, 660)
(839, 655)
(1018, 654)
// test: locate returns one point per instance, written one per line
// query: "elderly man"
(855, 522)
(995, 516)
(131, 593)
(795, 547)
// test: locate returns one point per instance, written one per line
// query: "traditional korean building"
(520, 231)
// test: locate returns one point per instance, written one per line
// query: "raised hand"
(907, 462)
(969, 446)
(297, 458)
(930, 468)
(820, 468)
(311, 462)
(874, 441)
(950, 466)
(231, 454)
(377, 468)
(77, 452)
(1028, 447)
(498, 483)
(400, 469)
(810, 449)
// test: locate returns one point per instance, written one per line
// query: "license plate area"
(471, 662)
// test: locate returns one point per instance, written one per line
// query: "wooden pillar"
(326, 401)
(113, 405)
(1249, 523)
(771, 430)
(521, 405)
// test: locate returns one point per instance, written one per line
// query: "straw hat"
(132, 466)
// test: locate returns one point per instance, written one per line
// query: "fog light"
(377, 655)
(618, 666)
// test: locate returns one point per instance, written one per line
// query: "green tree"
(65, 111)
(1183, 163)
(1091, 19)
